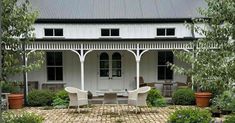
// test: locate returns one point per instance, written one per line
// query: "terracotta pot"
(15, 101)
(203, 98)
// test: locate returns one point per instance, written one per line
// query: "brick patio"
(109, 115)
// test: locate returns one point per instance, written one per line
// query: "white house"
(105, 44)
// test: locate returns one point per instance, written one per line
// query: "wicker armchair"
(77, 97)
(138, 97)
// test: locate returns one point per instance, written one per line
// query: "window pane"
(58, 32)
(169, 73)
(114, 32)
(104, 73)
(116, 56)
(48, 32)
(104, 64)
(161, 72)
(116, 64)
(169, 57)
(59, 73)
(170, 32)
(58, 58)
(104, 56)
(104, 32)
(161, 58)
(50, 58)
(50, 73)
(161, 32)
(116, 73)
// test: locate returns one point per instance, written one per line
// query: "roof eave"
(135, 20)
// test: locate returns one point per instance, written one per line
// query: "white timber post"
(137, 66)
(82, 58)
(26, 75)
(82, 75)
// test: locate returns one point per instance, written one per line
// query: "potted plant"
(15, 97)
(203, 94)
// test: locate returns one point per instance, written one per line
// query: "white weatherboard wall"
(71, 71)
(93, 31)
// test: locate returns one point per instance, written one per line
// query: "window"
(109, 32)
(48, 32)
(165, 31)
(116, 65)
(54, 66)
(53, 32)
(164, 72)
(110, 66)
(104, 65)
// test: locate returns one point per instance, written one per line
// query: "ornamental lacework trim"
(105, 45)
(108, 45)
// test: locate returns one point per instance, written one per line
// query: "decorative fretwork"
(109, 45)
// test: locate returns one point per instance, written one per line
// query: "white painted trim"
(87, 53)
(166, 45)
(143, 52)
(76, 53)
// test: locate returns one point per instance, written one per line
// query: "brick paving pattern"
(108, 114)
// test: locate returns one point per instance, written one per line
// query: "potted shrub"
(15, 97)
(204, 92)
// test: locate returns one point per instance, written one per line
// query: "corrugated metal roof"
(117, 9)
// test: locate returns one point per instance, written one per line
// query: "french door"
(110, 72)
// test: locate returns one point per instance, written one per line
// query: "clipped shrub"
(183, 97)
(62, 95)
(230, 119)
(161, 102)
(40, 98)
(23, 117)
(155, 98)
(61, 98)
(190, 115)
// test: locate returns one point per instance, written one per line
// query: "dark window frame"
(163, 65)
(56, 65)
(54, 32)
(111, 32)
(166, 32)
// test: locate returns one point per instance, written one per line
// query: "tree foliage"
(213, 56)
(17, 20)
